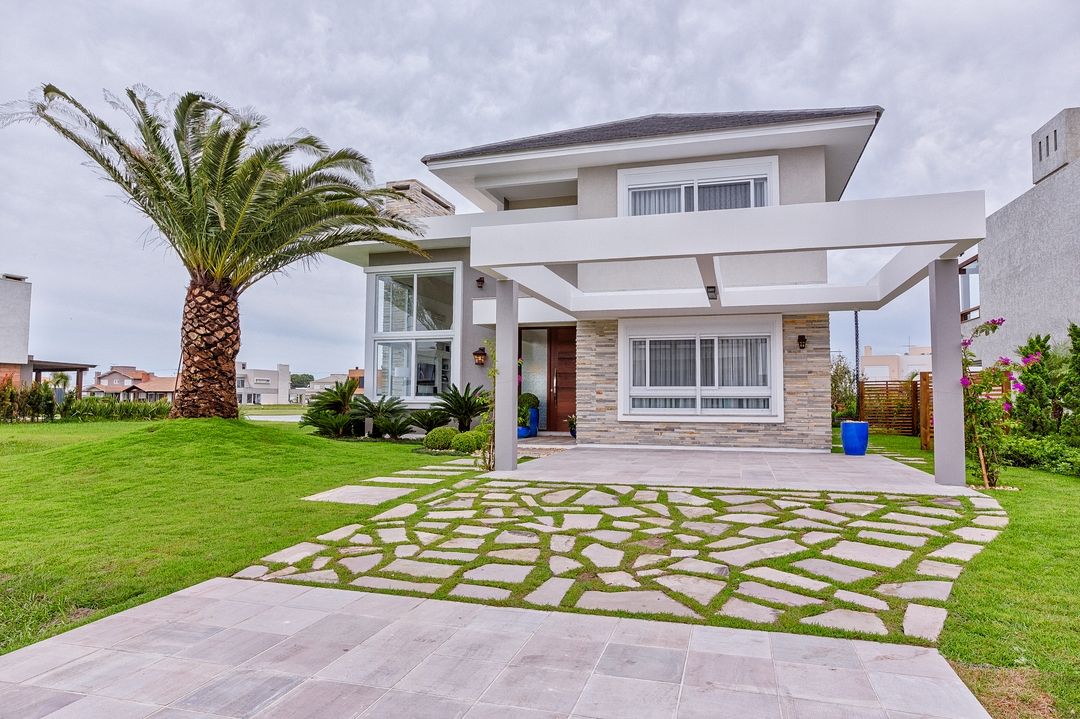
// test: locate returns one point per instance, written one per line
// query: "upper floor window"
(699, 186)
(240, 382)
(416, 302)
(969, 289)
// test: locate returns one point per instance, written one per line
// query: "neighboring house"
(15, 360)
(127, 383)
(1026, 268)
(663, 278)
(301, 395)
(901, 366)
(262, 386)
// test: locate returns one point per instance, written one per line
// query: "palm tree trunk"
(209, 343)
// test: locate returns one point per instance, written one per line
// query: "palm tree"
(60, 380)
(232, 210)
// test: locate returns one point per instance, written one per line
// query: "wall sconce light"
(480, 282)
(802, 342)
(711, 293)
(479, 357)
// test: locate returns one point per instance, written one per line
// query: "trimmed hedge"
(1046, 453)
(440, 438)
(468, 442)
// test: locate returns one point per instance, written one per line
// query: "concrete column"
(945, 337)
(506, 355)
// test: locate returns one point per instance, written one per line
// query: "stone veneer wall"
(807, 400)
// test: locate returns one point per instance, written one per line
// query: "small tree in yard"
(1070, 393)
(1037, 410)
(844, 386)
(986, 413)
(233, 211)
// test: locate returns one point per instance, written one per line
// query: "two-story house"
(664, 279)
(262, 386)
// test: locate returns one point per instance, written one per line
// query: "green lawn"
(250, 410)
(1017, 605)
(97, 517)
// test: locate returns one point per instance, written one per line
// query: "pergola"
(38, 366)
(688, 260)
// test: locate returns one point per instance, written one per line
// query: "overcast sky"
(963, 84)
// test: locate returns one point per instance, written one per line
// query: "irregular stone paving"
(871, 564)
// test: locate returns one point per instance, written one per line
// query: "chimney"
(422, 201)
(1055, 144)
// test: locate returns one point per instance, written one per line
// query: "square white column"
(945, 338)
(506, 356)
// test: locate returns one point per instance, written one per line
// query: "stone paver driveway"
(241, 648)
(865, 563)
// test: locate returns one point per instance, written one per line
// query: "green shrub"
(529, 400)
(467, 442)
(328, 424)
(394, 426)
(462, 405)
(429, 419)
(440, 438)
(98, 409)
(1047, 453)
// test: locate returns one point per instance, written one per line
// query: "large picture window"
(414, 333)
(701, 367)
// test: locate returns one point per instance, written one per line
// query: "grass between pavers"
(100, 516)
(587, 579)
(1014, 616)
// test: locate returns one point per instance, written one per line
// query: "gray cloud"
(963, 85)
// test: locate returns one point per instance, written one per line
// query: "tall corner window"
(699, 187)
(704, 370)
(414, 333)
(969, 289)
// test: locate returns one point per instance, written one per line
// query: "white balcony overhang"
(544, 258)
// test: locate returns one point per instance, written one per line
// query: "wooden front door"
(562, 377)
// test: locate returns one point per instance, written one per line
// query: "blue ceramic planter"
(534, 425)
(855, 436)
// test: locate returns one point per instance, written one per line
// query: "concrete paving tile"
(225, 613)
(749, 611)
(905, 539)
(916, 519)
(361, 564)
(494, 711)
(239, 693)
(984, 520)
(421, 569)
(479, 591)
(30, 702)
(632, 661)
(533, 687)
(728, 671)
(791, 708)
(379, 666)
(358, 494)
(931, 568)
(824, 683)
(318, 699)
(295, 553)
(795, 580)
(867, 553)
(738, 642)
(164, 681)
(406, 705)
(635, 600)
(926, 695)
(231, 646)
(616, 579)
(282, 620)
(699, 566)
(861, 599)
(97, 706)
(384, 583)
(717, 703)
(39, 658)
(903, 659)
(975, 534)
(452, 677)
(554, 652)
(895, 527)
(269, 593)
(494, 572)
(776, 595)
(103, 633)
(758, 552)
(859, 509)
(342, 533)
(699, 589)
(833, 570)
(300, 657)
(814, 538)
(508, 619)
(602, 556)
(607, 697)
(172, 637)
(807, 649)
(926, 589)
(923, 621)
(483, 646)
(848, 619)
(650, 633)
(819, 515)
(379, 605)
(591, 627)
(747, 518)
(529, 554)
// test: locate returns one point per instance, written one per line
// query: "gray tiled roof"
(657, 125)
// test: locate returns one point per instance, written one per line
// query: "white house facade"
(663, 279)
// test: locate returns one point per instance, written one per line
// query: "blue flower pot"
(523, 432)
(534, 421)
(855, 436)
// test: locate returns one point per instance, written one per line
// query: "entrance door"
(562, 377)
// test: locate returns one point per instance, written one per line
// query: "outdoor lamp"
(480, 357)
(802, 342)
(480, 282)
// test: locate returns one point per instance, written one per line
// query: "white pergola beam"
(899, 221)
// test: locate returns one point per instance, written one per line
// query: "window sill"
(703, 418)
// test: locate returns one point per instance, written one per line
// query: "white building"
(262, 386)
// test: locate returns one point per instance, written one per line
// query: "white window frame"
(375, 336)
(696, 173)
(770, 326)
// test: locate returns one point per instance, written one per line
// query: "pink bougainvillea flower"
(998, 321)
(1005, 361)
(1019, 387)
(966, 381)
(966, 343)
(1007, 406)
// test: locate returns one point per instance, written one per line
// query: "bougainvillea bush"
(987, 403)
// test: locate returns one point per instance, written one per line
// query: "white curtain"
(724, 196)
(744, 361)
(655, 201)
(396, 304)
(671, 363)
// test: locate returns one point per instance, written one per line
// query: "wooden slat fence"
(890, 406)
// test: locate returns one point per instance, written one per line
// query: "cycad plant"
(233, 211)
(386, 408)
(462, 405)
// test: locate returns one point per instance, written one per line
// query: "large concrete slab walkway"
(239, 648)
(818, 471)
